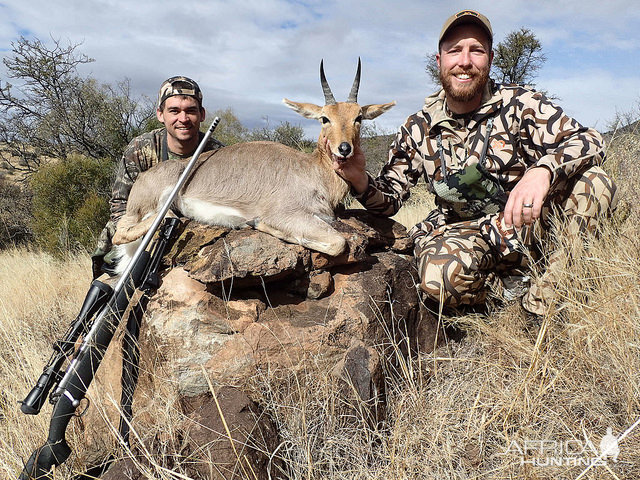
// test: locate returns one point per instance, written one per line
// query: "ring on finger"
(527, 205)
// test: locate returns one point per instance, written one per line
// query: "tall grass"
(39, 295)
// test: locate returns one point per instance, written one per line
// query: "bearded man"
(502, 161)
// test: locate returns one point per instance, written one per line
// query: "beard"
(465, 93)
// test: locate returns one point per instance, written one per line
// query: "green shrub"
(70, 203)
(15, 215)
(230, 130)
(285, 133)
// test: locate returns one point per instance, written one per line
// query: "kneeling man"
(502, 161)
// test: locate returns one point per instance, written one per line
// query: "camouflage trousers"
(458, 261)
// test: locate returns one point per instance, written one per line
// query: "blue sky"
(249, 54)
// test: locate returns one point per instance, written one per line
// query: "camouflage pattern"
(456, 254)
(471, 192)
(178, 86)
(141, 154)
(457, 261)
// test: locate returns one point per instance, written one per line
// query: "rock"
(239, 301)
(248, 257)
(275, 326)
(361, 371)
(428, 333)
(381, 232)
(204, 450)
(320, 283)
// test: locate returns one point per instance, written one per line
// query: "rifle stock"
(79, 376)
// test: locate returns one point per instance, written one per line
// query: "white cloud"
(250, 54)
(595, 97)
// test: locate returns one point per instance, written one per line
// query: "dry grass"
(414, 210)
(420, 203)
(38, 297)
(455, 413)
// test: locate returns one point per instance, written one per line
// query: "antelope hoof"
(118, 239)
(122, 238)
(253, 223)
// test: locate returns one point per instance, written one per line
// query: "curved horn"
(353, 96)
(328, 96)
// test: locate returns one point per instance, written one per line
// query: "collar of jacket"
(435, 107)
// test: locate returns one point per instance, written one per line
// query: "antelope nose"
(344, 148)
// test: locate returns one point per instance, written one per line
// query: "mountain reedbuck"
(276, 189)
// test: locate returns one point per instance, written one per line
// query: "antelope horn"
(328, 96)
(353, 96)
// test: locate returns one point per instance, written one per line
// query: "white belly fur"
(124, 254)
(210, 213)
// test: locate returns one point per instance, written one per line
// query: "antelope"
(276, 189)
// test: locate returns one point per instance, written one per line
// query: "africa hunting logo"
(566, 453)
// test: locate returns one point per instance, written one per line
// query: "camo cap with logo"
(463, 17)
(179, 86)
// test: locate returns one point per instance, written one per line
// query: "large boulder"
(235, 302)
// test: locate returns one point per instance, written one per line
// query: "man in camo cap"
(500, 160)
(180, 109)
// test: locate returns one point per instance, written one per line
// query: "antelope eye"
(358, 119)
(325, 120)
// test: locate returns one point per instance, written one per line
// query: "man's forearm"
(360, 183)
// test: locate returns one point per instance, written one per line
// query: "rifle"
(100, 314)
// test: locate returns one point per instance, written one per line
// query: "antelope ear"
(307, 110)
(369, 112)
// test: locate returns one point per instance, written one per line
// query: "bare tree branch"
(52, 111)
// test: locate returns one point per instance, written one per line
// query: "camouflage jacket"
(142, 153)
(528, 131)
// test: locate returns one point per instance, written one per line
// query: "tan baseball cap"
(179, 86)
(466, 16)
